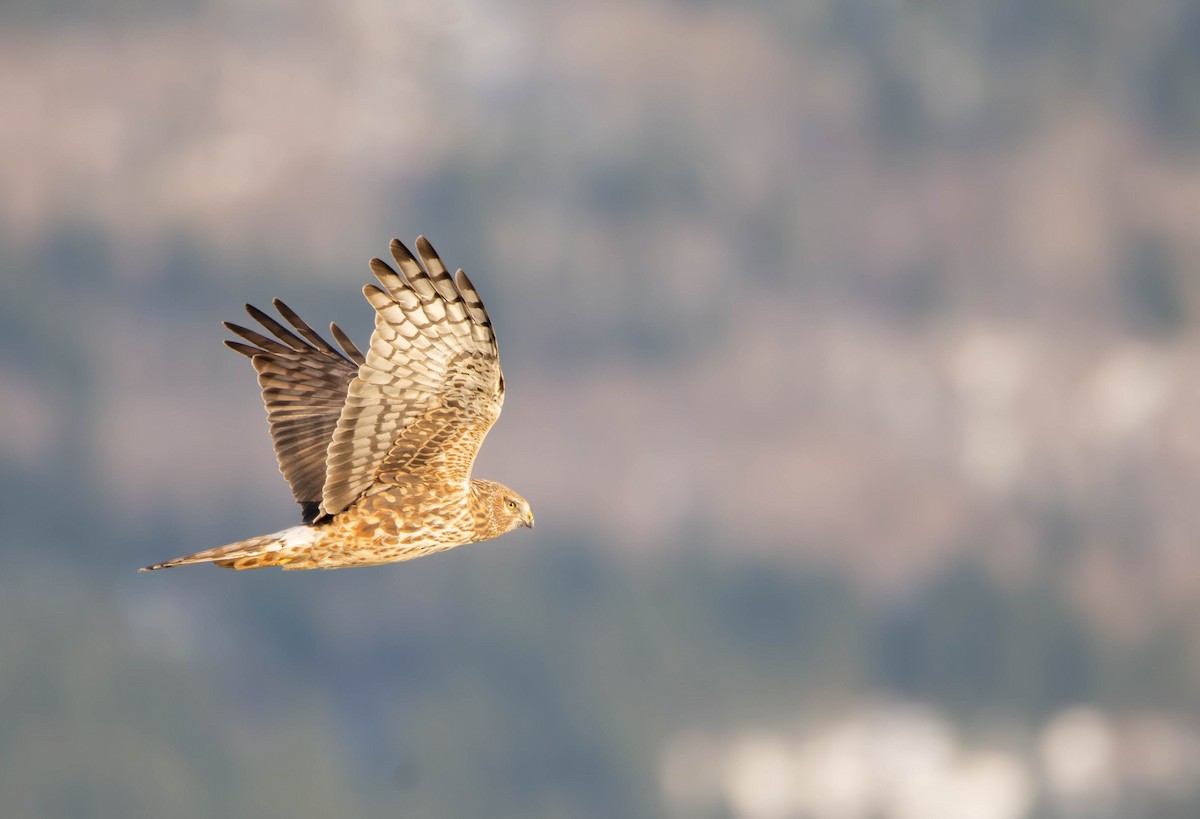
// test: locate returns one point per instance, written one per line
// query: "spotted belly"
(383, 528)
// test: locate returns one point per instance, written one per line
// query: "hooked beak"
(528, 522)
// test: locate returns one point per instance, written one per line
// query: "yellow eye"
(512, 505)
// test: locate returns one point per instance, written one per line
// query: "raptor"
(378, 448)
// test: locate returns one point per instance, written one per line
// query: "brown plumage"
(378, 448)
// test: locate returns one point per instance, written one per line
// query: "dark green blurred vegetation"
(504, 680)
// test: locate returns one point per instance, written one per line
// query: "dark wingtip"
(348, 346)
(244, 349)
(380, 267)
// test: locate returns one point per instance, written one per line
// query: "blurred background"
(852, 354)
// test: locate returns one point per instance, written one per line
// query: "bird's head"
(506, 508)
(517, 510)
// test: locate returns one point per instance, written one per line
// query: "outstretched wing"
(430, 387)
(304, 381)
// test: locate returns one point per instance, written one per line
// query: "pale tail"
(277, 549)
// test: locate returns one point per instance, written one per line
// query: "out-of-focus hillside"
(848, 272)
(851, 334)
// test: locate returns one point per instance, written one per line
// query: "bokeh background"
(854, 376)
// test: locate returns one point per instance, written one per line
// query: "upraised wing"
(429, 389)
(304, 382)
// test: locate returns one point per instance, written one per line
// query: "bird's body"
(379, 455)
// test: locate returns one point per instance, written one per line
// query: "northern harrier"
(378, 448)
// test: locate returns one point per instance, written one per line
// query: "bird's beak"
(528, 520)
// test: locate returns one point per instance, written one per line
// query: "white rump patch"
(295, 536)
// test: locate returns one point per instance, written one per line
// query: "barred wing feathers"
(304, 381)
(429, 389)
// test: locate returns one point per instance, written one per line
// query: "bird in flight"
(378, 448)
